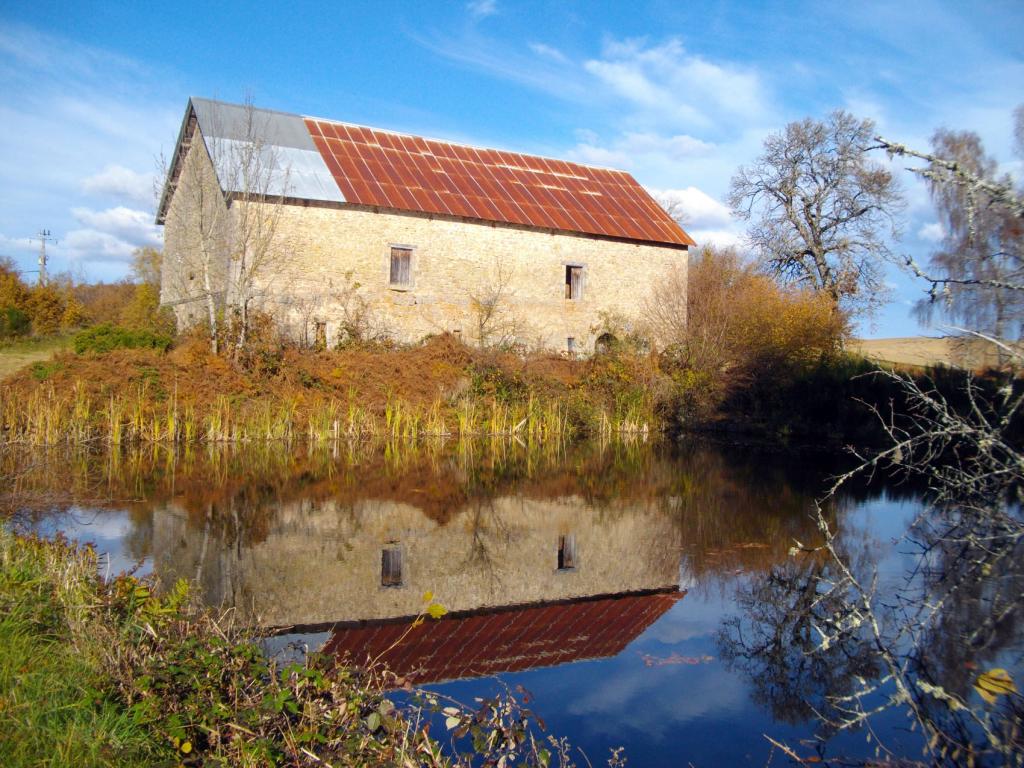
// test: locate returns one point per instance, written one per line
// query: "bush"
(106, 337)
(725, 327)
(13, 322)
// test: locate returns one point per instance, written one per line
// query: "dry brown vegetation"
(739, 325)
(281, 392)
(924, 351)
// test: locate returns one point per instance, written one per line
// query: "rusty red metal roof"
(381, 168)
(508, 640)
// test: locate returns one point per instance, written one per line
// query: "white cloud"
(126, 223)
(631, 148)
(109, 235)
(480, 9)
(932, 232)
(549, 52)
(10, 245)
(91, 245)
(720, 238)
(669, 84)
(120, 182)
(705, 219)
(697, 208)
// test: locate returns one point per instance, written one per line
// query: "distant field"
(921, 351)
(15, 355)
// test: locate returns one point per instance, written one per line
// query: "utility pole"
(44, 236)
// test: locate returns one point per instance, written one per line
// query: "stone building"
(341, 230)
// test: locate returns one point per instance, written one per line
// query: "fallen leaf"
(994, 683)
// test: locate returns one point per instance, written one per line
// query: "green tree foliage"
(13, 322)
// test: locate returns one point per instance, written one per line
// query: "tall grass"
(55, 711)
(139, 414)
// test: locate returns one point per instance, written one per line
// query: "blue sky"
(678, 93)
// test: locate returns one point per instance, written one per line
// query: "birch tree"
(821, 210)
(196, 237)
(259, 180)
(225, 215)
(976, 275)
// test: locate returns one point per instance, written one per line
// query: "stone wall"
(195, 240)
(485, 282)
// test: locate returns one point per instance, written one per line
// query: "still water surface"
(618, 584)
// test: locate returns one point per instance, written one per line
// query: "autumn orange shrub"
(730, 324)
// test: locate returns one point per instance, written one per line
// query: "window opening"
(567, 552)
(570, 346)
(401, 267)
(573, 282)
(391, 567)
(321, 336)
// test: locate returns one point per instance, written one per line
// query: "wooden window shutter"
(576, 276)
(391, 567)
(401, 266)
(567, 552)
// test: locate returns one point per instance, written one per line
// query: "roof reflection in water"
(510, 640)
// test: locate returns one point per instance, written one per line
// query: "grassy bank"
(106, 673)
(21, 353)
(441, 388)
(438, 388)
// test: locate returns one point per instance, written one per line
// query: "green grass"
(52, 710)
(16, 354)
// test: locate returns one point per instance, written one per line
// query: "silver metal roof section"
(294, 166)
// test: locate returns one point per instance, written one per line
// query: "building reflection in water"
(540, 559)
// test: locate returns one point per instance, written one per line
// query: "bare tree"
(196, 236)
(673, 206)
(821, 209)
(254, 171)
(222, 222)
(342, 301)
(495, 324)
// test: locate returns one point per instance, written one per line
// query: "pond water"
(643, 594)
